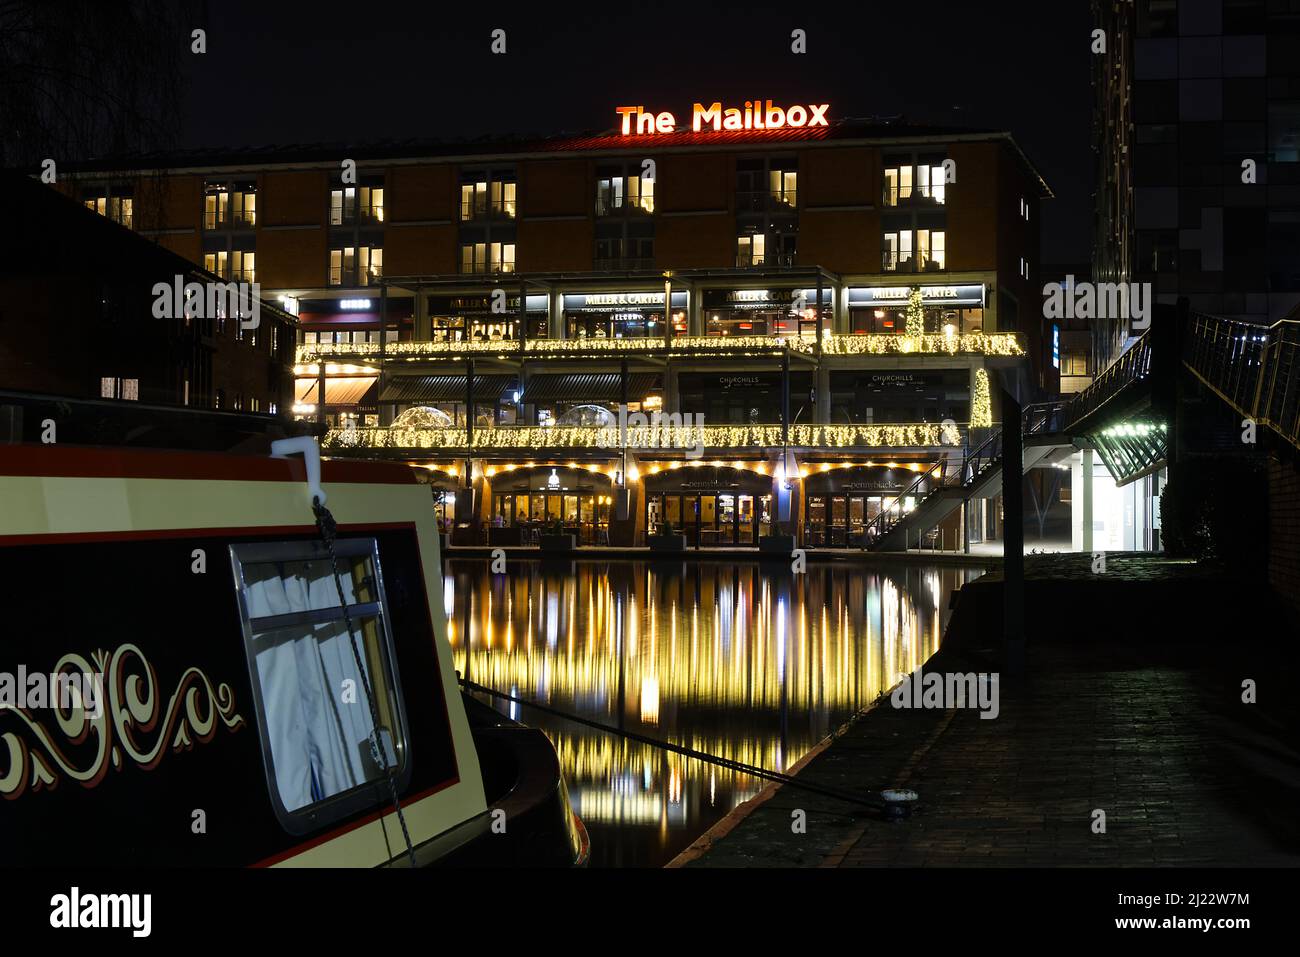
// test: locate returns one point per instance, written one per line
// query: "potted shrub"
(555, 539)
(779, 542)
(665, 539)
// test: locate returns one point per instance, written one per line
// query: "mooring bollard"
(898, 802)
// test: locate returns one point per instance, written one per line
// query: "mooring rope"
(728, 763)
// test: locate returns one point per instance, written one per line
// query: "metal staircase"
(962, 475)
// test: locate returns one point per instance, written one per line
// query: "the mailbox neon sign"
(755, 115)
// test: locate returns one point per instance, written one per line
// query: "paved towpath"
(1156, 736)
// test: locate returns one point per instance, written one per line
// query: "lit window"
(782, 186)
(372, 264)
(750, 250)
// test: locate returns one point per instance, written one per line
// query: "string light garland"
(649, 437)
(977, 343)
(981, 403)
(914, 314)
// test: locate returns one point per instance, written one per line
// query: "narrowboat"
(231, 679)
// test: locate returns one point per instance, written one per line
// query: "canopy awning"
(339, 390)
(588, 387)
(444, 388)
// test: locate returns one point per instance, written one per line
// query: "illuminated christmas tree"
(981, 403)
(914, 315)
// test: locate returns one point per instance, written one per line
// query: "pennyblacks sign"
(755, 115)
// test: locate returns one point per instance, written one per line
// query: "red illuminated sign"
(755, 115)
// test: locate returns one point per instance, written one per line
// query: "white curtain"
(318, 730)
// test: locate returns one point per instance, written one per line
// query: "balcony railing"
(756, 260)
(620, 205)
(931, 344)
(482, 209)
(913, 196)
(665, 438)
(912, 262)
(623, 263)
(766, 201)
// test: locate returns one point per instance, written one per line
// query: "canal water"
(738, 659)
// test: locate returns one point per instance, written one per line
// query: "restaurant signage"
(740, 381)
(619, 301)
(763, 298)
(754, 115)
(480, 305)
(965, 295)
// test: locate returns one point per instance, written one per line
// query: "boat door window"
(318, 737)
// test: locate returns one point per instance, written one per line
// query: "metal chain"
(328, 532)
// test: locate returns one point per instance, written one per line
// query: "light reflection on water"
(740, 660)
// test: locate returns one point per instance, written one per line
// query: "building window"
(487, 257)
(115, 202)
(238, 264)
(113, 387)
(750, 250)
(351, 204)
(620, 189)
(356, 266)
(625, 244)
(919, 250)
(914, 183)
(488, 194)
(783, 186)
(767, 185)
(243, 266)
(1074, 364)
(319, 759)
(227, 206)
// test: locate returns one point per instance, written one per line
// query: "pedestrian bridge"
(1126, 413)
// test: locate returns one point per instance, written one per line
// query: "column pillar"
(423, 324)
(385, 408)
(1086, 476)
(555, 315)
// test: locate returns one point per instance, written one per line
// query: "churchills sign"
(756, 115)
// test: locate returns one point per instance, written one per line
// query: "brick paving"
(1155, 735)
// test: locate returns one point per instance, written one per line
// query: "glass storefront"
(711, 518)
(532, 500)
(621, 315)
(841, 521)
(841, 505)
(471, 319)
(764, 312)
(887, 320)
(951, 310)
(718, 505)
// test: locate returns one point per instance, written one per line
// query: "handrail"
(1039, 418)
(1253, 367)
(944, 476)
(1133, 366)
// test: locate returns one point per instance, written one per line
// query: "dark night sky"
(377, 70)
